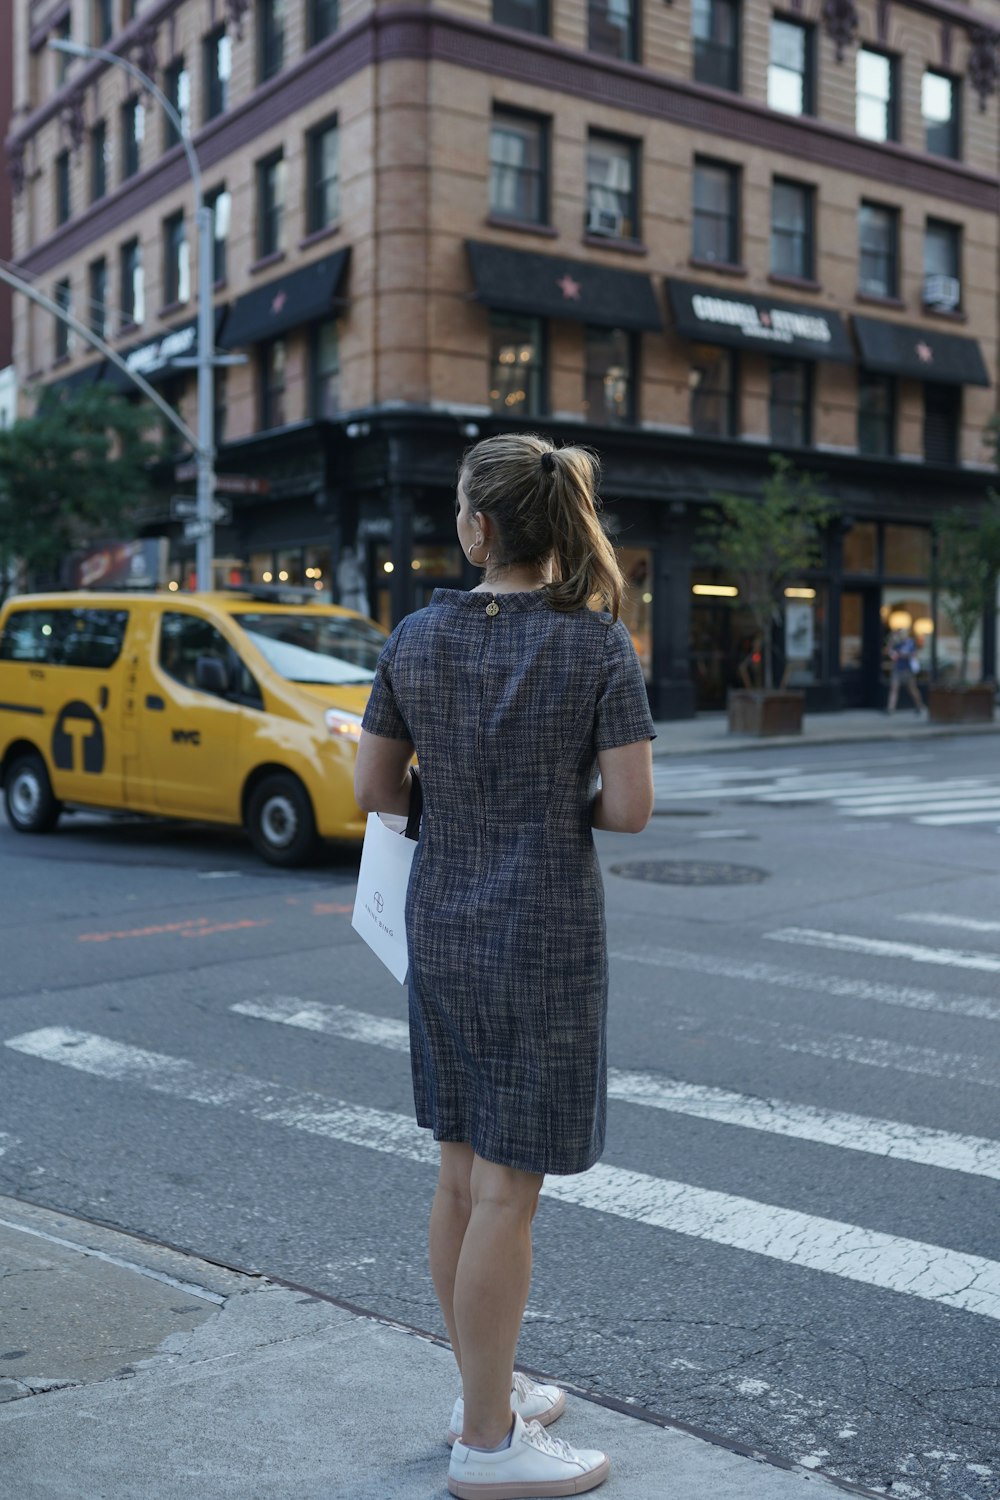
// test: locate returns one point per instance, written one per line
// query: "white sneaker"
(529, 1400)
(534, 1465)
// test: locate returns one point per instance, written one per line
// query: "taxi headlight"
(342, 725)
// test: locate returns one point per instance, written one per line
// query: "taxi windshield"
(326, 649)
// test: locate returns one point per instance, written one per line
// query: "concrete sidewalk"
(130, 1371)
(707, 733)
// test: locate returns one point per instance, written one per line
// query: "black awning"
(153, 358)
(741, 321)
(297, 297)
(549, 286)
(79, 380)
(920, 353)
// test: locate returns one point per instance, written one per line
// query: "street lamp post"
(205, 360)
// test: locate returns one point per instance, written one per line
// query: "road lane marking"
(912, 1268)
(887, 1138)
(944, 820)
(947, 919)
(983, 805)
(745, 971)
(189, 927)
(918, 953)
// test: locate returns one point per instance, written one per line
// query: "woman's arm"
(625, 802)
(382, 774)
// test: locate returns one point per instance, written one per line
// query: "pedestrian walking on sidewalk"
(905, 666)
(513, 694)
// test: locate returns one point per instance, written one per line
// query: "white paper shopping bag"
(380, 905)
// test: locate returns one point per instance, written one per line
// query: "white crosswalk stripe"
(913, 1268)
(936, 803)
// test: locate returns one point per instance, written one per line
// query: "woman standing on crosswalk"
(513, 694)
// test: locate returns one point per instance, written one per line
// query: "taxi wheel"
(280, 820)
(31, 806)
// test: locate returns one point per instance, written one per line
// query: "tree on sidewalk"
(966, 567)
(72, 473)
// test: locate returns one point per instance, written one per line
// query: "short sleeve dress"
(508, 978)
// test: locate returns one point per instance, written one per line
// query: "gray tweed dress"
(508, 978)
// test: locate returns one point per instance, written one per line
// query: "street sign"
(195, 530)
(185, 508)
(225, 484)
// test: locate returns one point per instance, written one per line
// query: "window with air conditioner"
(612, 177)
(942, 266)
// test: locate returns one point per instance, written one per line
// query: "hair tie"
(548, 461)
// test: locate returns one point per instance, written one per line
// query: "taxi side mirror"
(211, 675)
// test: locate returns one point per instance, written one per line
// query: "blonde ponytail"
(543, 502)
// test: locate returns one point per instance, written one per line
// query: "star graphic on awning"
(924, 353)
(278, 303)
(569, 288)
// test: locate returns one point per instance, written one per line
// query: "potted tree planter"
(966, 565)
(761, 542)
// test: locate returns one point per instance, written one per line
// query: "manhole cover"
(689, 872)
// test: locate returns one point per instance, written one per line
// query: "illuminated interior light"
(716, 590)
(800, 593)
(388, 567)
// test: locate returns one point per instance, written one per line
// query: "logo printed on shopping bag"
(379, 901)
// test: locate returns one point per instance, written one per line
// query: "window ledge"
(274, 259)
(949, 315)
(129, 326)
(60, 360)
(724, 267)
(326, 233)
(800, 283)
(220, 285)
(169, 308)
(609, 242)
(524, 226)
(872, 300)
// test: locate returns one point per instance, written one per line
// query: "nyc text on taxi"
(227, 708)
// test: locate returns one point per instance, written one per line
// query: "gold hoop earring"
(485, 560)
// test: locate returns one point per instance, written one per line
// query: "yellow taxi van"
(237, 708)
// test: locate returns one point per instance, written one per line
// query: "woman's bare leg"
(449, 1221)
(490, 1292)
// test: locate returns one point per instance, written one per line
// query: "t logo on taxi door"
(78, 739)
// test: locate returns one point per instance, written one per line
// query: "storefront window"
(907, 609)
(637, 605)
(318, 573)
(261, 567)
(861, 548)
(804, 634)
(290, 567)
(907, 551)
(949, 647)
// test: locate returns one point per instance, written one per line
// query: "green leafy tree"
(762, 541)
(73, 472)
(966, 566)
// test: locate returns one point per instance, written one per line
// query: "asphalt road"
(793, 1238)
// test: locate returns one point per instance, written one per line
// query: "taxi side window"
(186, 639)
(65, 637)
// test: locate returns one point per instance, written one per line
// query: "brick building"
(689, 234)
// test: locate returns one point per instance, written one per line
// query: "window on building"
(876, 414)
(220, 202)
(878, 274)
(133, 132)
(790, 73)
(875, 101)
(792, 210)
(939, 105)
(324, 18)
(176, 260)
(133, 285)
(177, 87)
(217, 67)
(63, 30)
(519, 167)
(270, 205)
(942, 265)
(522, 15)
(715, 27)
(324, 370)
(102, 21)
(942, 423)
(324, 176)
(62, 187)
(716, 212)
(271, 16)
(64, 338)
(517, 365)
(713, 384)
(98, 160)
(790, 403)
(221, 392)
(97, 297)
(273, 359)
(612, 28)
(609, 376)
(612, 187)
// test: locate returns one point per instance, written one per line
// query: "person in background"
(905, 664)
(514, 695)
